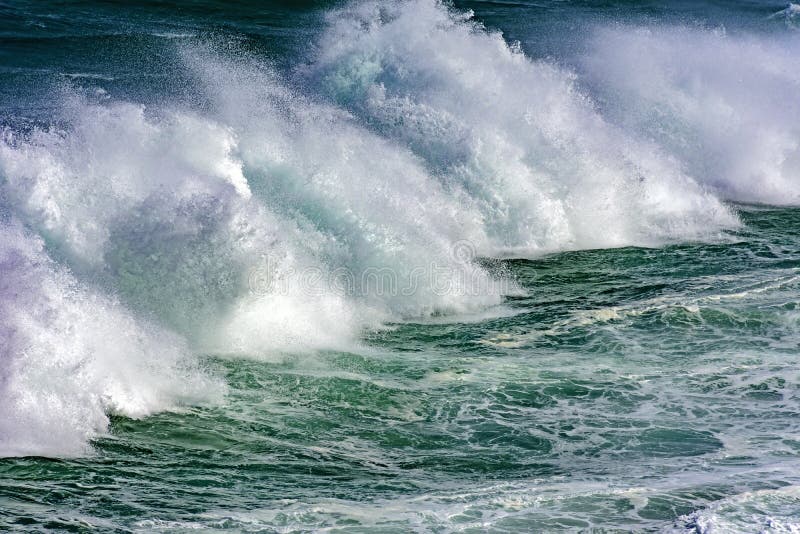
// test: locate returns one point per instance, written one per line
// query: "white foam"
(158, 205)
(724, 105)
(376, 203)
(754, 511)
(518, 136)
(69, 357)
(436, 142)
(159, 209)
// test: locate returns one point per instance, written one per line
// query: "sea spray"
(69, 357)
(723, 104)
(544, 168)
(410, 147)
(249, 274)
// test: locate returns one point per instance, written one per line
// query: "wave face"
(261, 212)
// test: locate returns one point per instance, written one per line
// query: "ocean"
(393, 266)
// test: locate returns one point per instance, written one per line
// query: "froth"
(411, 144)
(725, 106)
(69, 357)
(543, 168)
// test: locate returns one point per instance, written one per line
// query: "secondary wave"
(542, 166)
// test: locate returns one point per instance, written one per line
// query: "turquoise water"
(375, 267)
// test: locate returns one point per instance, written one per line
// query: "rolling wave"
(411, 145)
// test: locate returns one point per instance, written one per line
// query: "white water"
(428, 135)
(774, 511)
(545, 170)
(70, 357)
(725, 106)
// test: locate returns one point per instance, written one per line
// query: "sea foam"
(528, 146)
(725, 106)
(69, 357)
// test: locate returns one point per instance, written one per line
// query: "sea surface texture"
(392, 266)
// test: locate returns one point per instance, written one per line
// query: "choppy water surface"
(588, 223)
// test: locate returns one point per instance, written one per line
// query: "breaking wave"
(132, 234)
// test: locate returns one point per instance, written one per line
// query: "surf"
(411, 140)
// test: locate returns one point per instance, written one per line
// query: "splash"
(289, 215)
(69, 357)
(542, 166)
(725, 106)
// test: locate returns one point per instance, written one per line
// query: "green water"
(625, 389)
